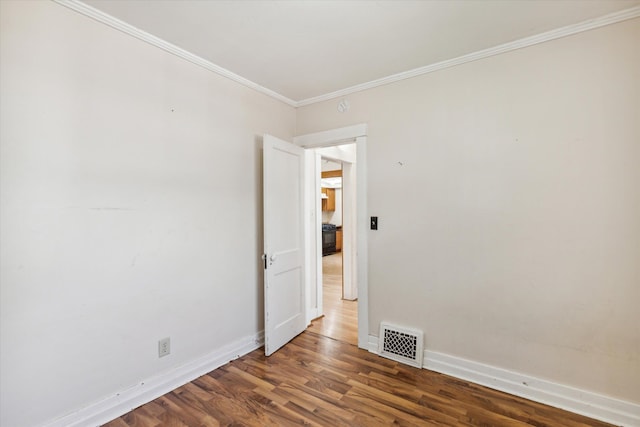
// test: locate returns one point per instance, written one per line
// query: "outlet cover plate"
(164, 347)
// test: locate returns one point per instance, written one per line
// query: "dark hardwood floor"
(321, 378)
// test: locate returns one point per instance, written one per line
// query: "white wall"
(131, 210)
(328, 165)
(508, 198)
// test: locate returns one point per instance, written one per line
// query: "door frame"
(345, 135)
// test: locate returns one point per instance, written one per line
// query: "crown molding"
(587, 25)
(109, 20)
(590, 24)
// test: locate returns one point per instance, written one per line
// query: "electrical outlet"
(164, 347)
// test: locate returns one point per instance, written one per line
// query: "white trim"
(349, 236)
(119, 404)
(372, 344)
(561, 396)
(362, 244)
(590, 24)
(313, 235)
(569, 30)
(318, 232)
(331, 137)
(109, 20)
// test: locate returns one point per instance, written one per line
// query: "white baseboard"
(152, 388)
(373, 344)
(575, 400)
(312, 315)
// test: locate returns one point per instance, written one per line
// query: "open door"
(284, 286)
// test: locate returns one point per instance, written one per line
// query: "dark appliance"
(328, 239)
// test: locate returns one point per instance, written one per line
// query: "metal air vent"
(403, 345)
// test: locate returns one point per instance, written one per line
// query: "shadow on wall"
(259, 217)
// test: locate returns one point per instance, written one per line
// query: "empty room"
(166, 201)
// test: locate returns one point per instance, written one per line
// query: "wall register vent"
(400, 344)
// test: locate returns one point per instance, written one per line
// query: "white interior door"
(284, 287)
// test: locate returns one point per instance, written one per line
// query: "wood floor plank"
(369, 401)
(257, 381)
(170, 420)
(181, 409)
(142, 418)
(118, 422)
(195, 404)
(153, 409)
(302, 397)
(418, 396)
(396, 403)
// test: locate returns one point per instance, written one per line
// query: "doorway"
(340, 314)
(354, 222)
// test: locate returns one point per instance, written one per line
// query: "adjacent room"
(322, 213)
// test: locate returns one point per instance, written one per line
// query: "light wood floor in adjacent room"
(341, 316)
(321, 378)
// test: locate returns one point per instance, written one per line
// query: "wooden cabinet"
(339, 239)
(329, 204)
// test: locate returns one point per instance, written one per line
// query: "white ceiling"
(305, 49)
